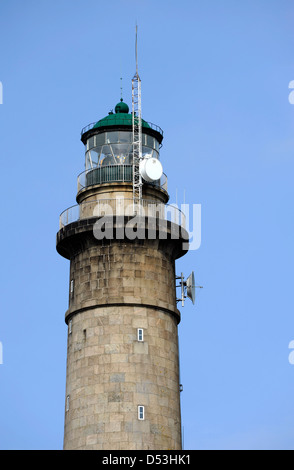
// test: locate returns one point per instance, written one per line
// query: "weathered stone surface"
(111, 390)
(106, 283)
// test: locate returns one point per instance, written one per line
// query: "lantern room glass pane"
(125, 137)
(111, 137)
(92, 158)
(115, 154)
(148, 152)
(90, 143)
(150, 141)
(100, 139)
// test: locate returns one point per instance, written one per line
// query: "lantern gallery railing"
(123, 207)
(112, 174)
(118, 121)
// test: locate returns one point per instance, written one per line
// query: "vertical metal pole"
(137, 136)
(183, 291)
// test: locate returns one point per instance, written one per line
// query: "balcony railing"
(113, 174)
(122, 207)
(117, 120)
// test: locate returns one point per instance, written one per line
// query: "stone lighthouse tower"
(122, 381)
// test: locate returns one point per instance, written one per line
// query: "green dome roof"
(122, 117)
(119, 120)
(121, 107)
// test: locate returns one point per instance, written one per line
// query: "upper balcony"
(122, 219)
(123, 207)
(114, 174)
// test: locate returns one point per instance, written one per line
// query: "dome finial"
(121, 97)
(121, 107)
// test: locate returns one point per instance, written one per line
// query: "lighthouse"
(122, 239)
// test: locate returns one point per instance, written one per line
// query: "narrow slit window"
(140, 334)
(70, 327)
(71, 286)
(67, 403)
(141, 413)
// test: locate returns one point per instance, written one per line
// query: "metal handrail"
(150, 124)
(112, 174)
(88, 127)
(122, 206)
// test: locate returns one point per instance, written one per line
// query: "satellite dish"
(190, 286)
(150, 169)
(187, 287)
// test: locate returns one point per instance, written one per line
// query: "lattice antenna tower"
(137, 134)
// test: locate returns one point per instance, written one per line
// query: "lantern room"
(109, 148)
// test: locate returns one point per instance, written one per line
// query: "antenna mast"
(137, 134)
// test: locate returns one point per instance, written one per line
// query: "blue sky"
(215, 78)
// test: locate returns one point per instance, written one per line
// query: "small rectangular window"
(71, 286)
(140, 336)
(141, 413)
(70, 327)
(67, 403)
